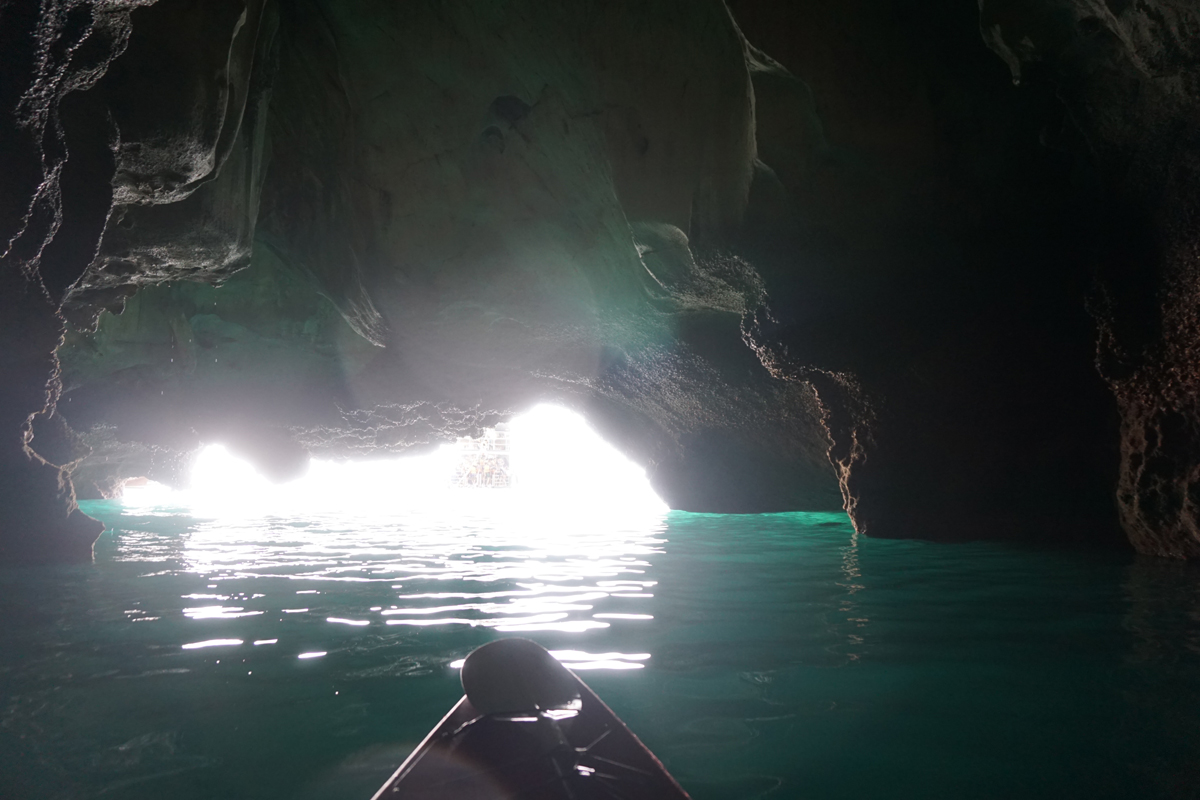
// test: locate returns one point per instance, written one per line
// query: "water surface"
(775, 656)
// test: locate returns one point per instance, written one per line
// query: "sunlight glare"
(560, 466)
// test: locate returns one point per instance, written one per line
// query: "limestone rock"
(837, 252)
(1129, 74)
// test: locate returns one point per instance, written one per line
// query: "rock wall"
(958, 229)
(1129, 76)
(504, 205)
(52, 212)
(98, 127)
(936, 291)
(865, 253)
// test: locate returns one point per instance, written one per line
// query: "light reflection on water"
(513, 570)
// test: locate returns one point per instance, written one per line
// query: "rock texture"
(504, 205)
(98, 124)
(787, 256)
(935, 293)
(52, 214)
(1129, 76)
(507, 199)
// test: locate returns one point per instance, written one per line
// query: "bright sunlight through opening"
(548, 461)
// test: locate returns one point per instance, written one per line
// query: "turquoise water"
(769, 656)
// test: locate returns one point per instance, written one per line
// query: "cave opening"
(545, 462)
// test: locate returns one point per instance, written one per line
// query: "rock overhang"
(878, 255)
(502, 204)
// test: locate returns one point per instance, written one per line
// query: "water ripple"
(496, 568)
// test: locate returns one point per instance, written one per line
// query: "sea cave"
(818, 381)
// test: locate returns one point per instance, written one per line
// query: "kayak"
(529, 729)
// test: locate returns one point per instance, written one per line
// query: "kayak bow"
(529, 729)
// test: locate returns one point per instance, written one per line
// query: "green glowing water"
(780, 656)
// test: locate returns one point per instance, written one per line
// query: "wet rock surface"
(936, 293)
(1129, 77)
(788, 256)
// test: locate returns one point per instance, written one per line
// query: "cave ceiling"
(929, 262)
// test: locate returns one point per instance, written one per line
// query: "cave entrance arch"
(547, 461)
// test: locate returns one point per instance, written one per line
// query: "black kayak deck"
(583, 754)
